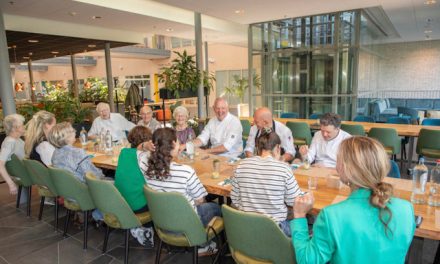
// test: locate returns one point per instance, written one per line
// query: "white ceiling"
(221, 23)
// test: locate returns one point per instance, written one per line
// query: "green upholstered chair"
(76, 197)
(41, 178)
(354, 130)
(428, 143)
(179, 217)
(389, 139)
(246, 125)
(116, 211)
(301, 133)
(255, 238)
(20, 176)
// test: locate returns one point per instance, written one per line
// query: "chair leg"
(66, 223)
(195, 255)
(107, 233)
(17, 205)
(40, 215)
(86, 228)
(29, 201)
(57, 207)
(127, 237)
(159, 250)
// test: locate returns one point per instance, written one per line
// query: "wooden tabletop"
(402, 130)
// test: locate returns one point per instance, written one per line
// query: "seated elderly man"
(223, 131)
(263, 119)
(147, 119)
(114, 122)
(325, 143)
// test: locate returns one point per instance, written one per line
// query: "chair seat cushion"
(244, 259)
(71, 205)
(144, 217)
(299, 141)
(217, 224)
(431, 153)
(43, 191)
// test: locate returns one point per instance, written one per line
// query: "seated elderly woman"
(130, 181)
(13, 144)
(370, 226)
(68, 157)
(184, 132)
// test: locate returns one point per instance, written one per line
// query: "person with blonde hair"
(66, 156)
(370, 226)
(113, 122)
(36, 145)
(183, 131)
(12, 144)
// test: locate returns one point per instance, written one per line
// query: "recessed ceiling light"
(91, 46)
(428, 31)
(96, 17)
(33, 40)
(169, 29)
(54, 52)
(239, 11)
(14, 46)
(73, 13)
(30, 53)
(430, 2)
(26, 58)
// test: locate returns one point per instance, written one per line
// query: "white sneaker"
(138, 233)
(208, 250)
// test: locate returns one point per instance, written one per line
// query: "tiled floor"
(26, 240)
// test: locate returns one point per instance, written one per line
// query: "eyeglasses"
(147, 113)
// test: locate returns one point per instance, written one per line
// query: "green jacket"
(351, 232)
(129, 179)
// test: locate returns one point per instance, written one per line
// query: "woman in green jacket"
(130, 181)
(370, 226)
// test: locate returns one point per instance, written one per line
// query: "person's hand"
(148, 145)
(303, 150)
(296, 161)
(302, 205)
(12, 188)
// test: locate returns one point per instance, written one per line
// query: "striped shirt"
(264, 185)
(183, 180)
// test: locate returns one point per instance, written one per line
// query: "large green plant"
(183, 75)
(96, 89)
(240, 85)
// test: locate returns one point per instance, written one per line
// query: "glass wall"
(307, 65)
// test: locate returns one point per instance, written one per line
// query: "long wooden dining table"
(410, 131)
(324, 195)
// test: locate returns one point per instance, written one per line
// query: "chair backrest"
(398, 120)
(431, 122)
(40, 175)
(362, 118)
(69, 187)
(17, 170)
(394, 170)
(246, 125)
(355, 130)
(245, 232)
(411, 113)
(171, 211)
(289, 115)
(388, 137)
(117, 213)
(315, 116)
(428, 139)
(300, 130)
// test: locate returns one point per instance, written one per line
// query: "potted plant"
(238, 89)
(182, 77)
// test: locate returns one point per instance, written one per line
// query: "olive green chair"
(76, 197)
(428, 143)
(389, 139)
(117, 213)
(354, 130)
(301, 133)
(256, 239)
(246, 125)
(41, 178)
(177, 223)
(20, 176)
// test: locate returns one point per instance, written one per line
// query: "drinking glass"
(312, 182)
(215, 169)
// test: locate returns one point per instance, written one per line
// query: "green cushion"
(72, 205)
(299, 141)
(44, 191)
(144, 217)
(241, 258)
(431, 153)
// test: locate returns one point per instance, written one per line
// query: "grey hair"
(59, 133)
(330, 119)
(102, 105)
(180, 110)
(11, 121)
(220, 99)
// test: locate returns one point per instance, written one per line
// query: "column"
(31, 80)
(108, 68)
(208, 91)
(250, 72)
(199, 62)
(6, 93)
(74, 76)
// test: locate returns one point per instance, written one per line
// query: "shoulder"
(344, 134)
(181, 167)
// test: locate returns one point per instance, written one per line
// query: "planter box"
(243, 110)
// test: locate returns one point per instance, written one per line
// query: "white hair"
(12, 121)
(180, 110)
(101, 106)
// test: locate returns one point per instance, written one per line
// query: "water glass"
(312, 182)
(215, 169)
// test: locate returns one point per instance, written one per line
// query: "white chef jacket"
(282, 131)
(227, 132)
(324, 152)
(116, 124)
